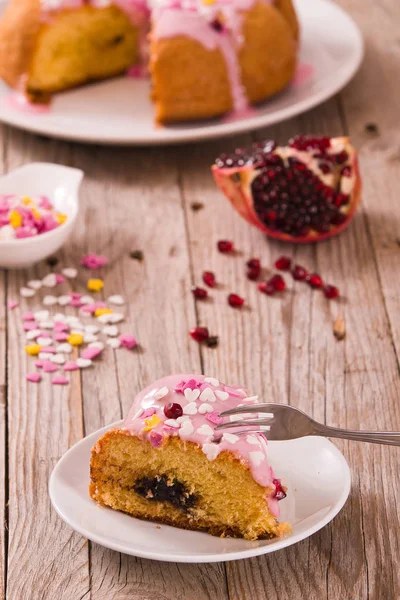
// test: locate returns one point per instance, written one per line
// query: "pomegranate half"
(307, 191)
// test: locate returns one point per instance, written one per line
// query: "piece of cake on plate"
(163, 465)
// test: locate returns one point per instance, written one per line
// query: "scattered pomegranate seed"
(199, 293)
(200, 334)
(254, 263)
(209, 278)
(346, 171)
(253, 268)
(299, 273)
(278, 282)
(315, 281)
(173, 410)
(266, 287)
(225, 246)
(279, 491)
(331, 292)
(283, 263)
(235, 301)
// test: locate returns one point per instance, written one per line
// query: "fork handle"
(389, 438)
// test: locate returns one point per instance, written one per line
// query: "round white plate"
(316, 473)
(120, 112)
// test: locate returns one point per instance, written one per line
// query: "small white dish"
(61, 185)
(120, 111)
(316, 473)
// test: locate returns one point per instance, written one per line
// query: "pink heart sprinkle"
(91, 353)
(149, 412)
(28, 316)
(70, 366)
(75, 303)
(91, 308)
(235, 392)
(94, 261)
(127, 341)
(179, 387)
(49, 367)
(12, 304)
(59, 380)
(214, 417)
(29, 325)
(34, 377)
(48, 349)
(39, 364)
(75, 295)
(60, 336)
(155, 439)
(60, 278)
(60, 326)
(191, 384)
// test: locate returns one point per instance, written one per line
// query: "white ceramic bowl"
(61, 185)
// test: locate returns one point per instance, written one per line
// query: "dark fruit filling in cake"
(161, 489)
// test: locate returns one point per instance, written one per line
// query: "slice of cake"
(163, 465)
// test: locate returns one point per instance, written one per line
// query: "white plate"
(120, 112)
(316, 472)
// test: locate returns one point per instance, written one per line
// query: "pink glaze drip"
(19, 101)
(198, 428)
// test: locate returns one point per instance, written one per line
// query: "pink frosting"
(202, 401)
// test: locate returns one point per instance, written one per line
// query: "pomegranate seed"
(254, 263)
(279, 492)
(209, 278)
(341, 157)
(225, 246)
(283, 263)
(278, 282)
(346, 171)
(299, 273)
(331, 292)
(199, 293)
(173, 410)
(325, 168)
(235, 301)
(315, 281)
(253, 268)
(200, 334)
(266, 287)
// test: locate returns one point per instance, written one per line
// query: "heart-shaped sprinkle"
(60, 326)
(91, 353)
(59, 359)
(92, 329)
(231, 438)
(35, 284)
(46, 324)
(49, 367)
(71, 366)
(97, 344)
(44, 341)
(86, 300)
(48, 350)
(89, 338)
(33, 334)
(256, 458)
(214, 418)
(103, 318)
(41, 315)
(28, 316)
(59, 380)
(205, 408)
(251, 399)
(83, 363)
(45, 355)
(251, 439)
(34, 377)
(161, 393)
(67, 348)
(205, 430)
(207, 395)
(29, 325)
(172, 423)
(111, 330)
(63, 300)
(149, 412)
(212, 381)
(12, 304)
(39, 364)
(26, 292)
(221, 395)
(155, 439)
(114, 343)
(49, 300)
(50, 280)
(70, 272)
(183, 418)
(191, 395)
(117, 300)
(116, 318)
(211, 450)
(186, 429)
(190, 409)
(60, 278)
(191, 383)
(61, 336)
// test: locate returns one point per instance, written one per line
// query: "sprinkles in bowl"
(27, 216)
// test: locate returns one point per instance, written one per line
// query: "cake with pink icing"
(166, 464)
(206, 58)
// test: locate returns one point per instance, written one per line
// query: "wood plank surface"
(282, 348)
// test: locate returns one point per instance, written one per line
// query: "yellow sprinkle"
(103, 311)
(152, 422)
(75, 339)
(26, 200)
(95, 285)
(15, 219)
(207, 2)
(33, 349)
(61, 218)
(36, 214)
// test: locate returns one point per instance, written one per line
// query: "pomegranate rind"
(235, 184)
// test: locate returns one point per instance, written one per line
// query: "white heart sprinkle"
(67, 348)
(46, 324)
(183, 418)
(63, 300)
(205, 408)
(97, 345)
(211, 450)
(191, 395)
(89, 338)
(83, 362)
(26, 292)
(205, 430)
(70, 272)
(115, 317)
(172, 423)
(251, 399)
(59, 317)
(186, 429)
(212, 381)
(207, 395)
(33, 334)
(45, 355)
(35, 284)
(111, 330)
(58, 359)
(161, 393)
(117, 300)
(72, 320)
(45, 341)
(50, 280)
(221, 395)
(114, 343)
(251, 439)
(138, 414)
(190, 409)
(78, 330)
(92, 329)
(256, 458)
(41, 315)
(49, 300)
(230, 438)
(104, 319)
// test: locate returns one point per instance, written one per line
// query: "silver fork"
(284, 422)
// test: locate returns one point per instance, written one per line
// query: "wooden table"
(282, 348)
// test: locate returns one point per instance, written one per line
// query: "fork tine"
(244, 423)
(254, 408)
(217, 438)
